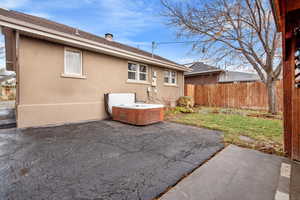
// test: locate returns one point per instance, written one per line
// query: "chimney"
(109, 36)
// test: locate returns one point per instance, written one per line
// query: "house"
(202, 74)
(206, 74)
(62, 72)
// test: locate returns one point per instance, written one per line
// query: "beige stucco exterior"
(46, 97)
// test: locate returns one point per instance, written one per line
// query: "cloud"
(186, 60)
(40, 14)
(13, 4)
(126, 18)
(241, 68)
(139, 44)
(62, 4)
(195, 58)
(123, 18)
(133, 22)
(2, 52)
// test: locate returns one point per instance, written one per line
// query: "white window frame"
(137, 73)
(73, 75)
(170, 77)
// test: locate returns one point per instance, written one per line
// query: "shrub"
(176, 110)
(179, 109)
(11, 96)
(3, 98)
(215, 110)
(185, 110)
(185, 101)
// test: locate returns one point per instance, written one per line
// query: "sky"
(133, 22)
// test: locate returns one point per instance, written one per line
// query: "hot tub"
(122, 107)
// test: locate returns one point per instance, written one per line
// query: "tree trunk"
(271, 89)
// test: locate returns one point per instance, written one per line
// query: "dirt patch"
(246, 139)
(266, 116)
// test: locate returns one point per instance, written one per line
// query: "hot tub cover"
(115, 99)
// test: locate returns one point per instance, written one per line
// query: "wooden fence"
(252, 95)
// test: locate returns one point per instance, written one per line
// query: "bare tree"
(242, 31)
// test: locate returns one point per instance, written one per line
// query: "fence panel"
(251, 95)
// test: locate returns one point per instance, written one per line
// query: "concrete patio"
(234, 173)
(100, 160)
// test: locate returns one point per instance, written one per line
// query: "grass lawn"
(240, 127)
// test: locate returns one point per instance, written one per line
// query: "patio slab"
(234, 173)
(102, 160)
(295, 181)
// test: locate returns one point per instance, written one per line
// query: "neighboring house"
(234, 77)
(62, 72)
(202, 74)
(8, 90)
(206, 74)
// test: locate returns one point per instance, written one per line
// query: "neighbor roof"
(234, 76)
(41, 22)
(201, 68)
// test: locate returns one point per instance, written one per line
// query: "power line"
(155, 44)
(181, 42)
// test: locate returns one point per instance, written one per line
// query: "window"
(73, 62)
(143, 72)
(132, 70)
(137, 72)
(170, 77)
(173, 77)
(166, 77)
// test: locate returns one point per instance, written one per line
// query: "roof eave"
(276, 13)
(65, 38)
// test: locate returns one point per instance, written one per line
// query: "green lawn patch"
(265, 134)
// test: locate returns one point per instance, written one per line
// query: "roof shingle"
(201, 68)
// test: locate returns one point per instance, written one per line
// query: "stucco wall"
(48, 98)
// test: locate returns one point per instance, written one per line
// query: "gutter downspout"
(17, 70)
